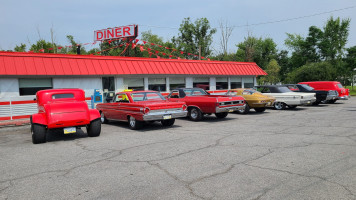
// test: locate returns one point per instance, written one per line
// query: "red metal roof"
(14, 63)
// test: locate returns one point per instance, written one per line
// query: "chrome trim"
(230, 108)
(159, 115)
(344, 97)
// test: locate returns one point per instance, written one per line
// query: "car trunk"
(64, 114)
(154, 105)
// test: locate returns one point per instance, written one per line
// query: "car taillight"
(146, 110)
(184, 107)
(217, 104)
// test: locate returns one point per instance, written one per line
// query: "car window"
(339, 85)
(293, 87)
(283, 89)
(194, 92)
(307, 87)
(174, 94)
(122, 98)
(147, 96)
(63, 96)
(264, 90)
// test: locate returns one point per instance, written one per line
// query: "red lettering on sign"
(118, 32)
(99, 37)
(126, 30)
(110, 33)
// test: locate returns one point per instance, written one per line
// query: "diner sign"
(114, 33)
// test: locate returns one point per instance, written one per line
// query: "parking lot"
(306, 153)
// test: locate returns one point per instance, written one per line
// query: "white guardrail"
(19, 107)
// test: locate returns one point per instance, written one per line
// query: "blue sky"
(22, 20)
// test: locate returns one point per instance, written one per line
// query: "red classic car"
(63, 109)
(201, 102)
(344, 94)
(137, 107)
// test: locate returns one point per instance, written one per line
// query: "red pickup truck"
(344, 94)
(64, 109)
(200, 102)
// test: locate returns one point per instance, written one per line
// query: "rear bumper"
(230, 108)
(331, 97)
(160, 115)
(344, 97)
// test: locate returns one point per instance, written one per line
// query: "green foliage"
(322, 71)
(42, 44)
(257, 50)
(272, 69)
(20, 48)
(195, 35)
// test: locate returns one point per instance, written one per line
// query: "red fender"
(39, 118)
(94, 114)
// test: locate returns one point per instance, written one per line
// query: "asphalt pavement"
(305, 153)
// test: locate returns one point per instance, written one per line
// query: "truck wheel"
(94, 128)
(279, 106)
(195, 114)
(134, 124)
(221, 115)
(38, 133)
(260, 109)
(331, 101)
(168, 122)
(244, 111)
(103, 118)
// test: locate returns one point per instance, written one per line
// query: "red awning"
(13, 63)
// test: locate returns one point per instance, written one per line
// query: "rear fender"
(193, 106)
(94, 114)
(39, 118)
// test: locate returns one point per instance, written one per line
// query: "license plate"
(231, 110)
(69, 130)
(269, 103)
(167, 116)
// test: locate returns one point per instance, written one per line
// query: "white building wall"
(9, 87)
(189, 82)
(87, 84)
(212, 83)
(119, 84)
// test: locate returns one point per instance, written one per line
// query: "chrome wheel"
(194, 113)
(102, 117)
(279, 105)
(132, 121)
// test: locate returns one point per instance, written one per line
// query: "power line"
(269, 22)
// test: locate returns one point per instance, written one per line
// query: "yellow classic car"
(254, 99)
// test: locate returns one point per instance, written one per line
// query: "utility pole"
(199, 52)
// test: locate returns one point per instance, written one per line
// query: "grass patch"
(352, 92)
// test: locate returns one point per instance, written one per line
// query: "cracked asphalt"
(306, 153)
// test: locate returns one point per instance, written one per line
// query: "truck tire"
(94, 128)
(134, 124)
(195, 114)
(221, 115)
(244, 111)
(260, 109)
(38, 133)
(168, 122)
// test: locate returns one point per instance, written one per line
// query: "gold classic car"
(254, 99)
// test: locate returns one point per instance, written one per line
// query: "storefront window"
(201, 83)
(29, 86)
(249, 82)
(108, 83)
(176, 83)
(157, 84)
(134, 83)
(236, 82)
(222, 83)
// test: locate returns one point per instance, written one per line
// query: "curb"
(14, 123)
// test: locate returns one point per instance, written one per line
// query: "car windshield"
(283, 89)
(248, 92)
(307, 87)
(63, 96)
(146, 96)
(194, 92)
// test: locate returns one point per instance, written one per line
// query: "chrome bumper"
(331, 97)
(230, 109)
(160, 115)
(344, 97)
(307, 102)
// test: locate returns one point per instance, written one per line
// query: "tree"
(225, 35)
(257, 50)
(195, 36)
(350, 61)
(322, 71)
(43, 46)
(272, 69)
(21, 48)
